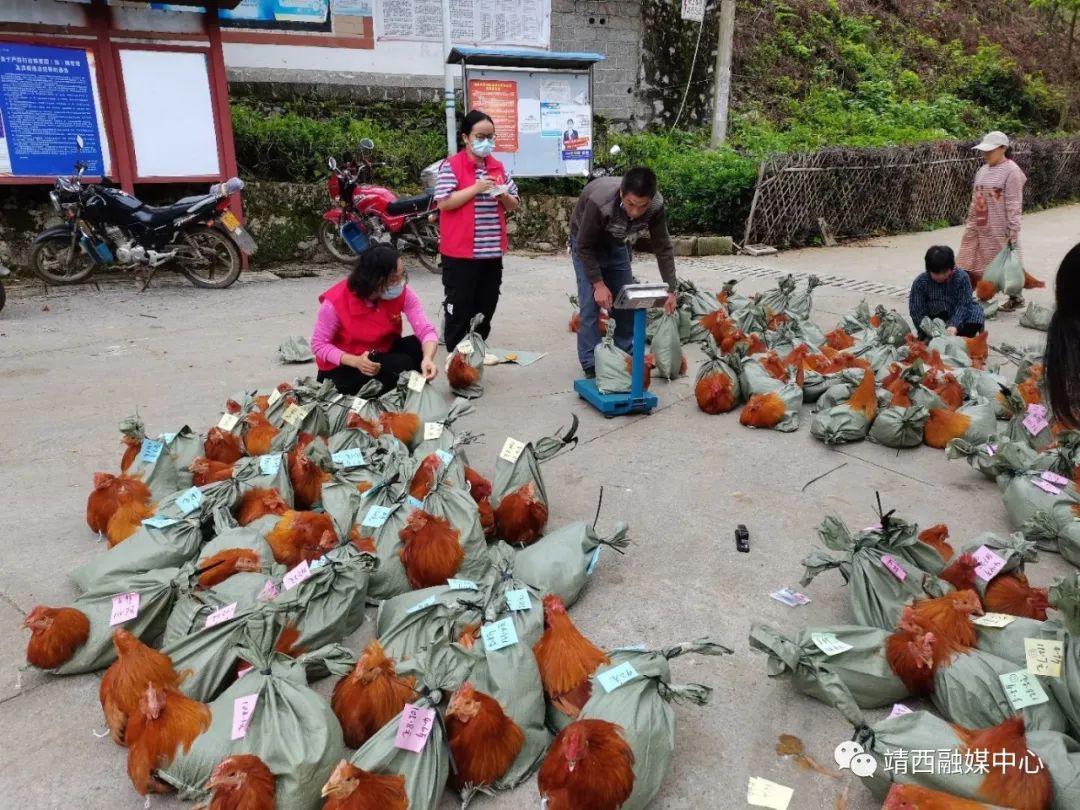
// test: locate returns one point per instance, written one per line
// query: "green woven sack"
(561, 561)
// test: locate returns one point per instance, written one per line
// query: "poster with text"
(495, 22)
(499, 100)
(46, 99)
(295, 15)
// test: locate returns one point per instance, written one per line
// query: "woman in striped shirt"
(474, 194)
(997, 205)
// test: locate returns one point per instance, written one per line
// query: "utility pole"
(448, 82)
(722, 94)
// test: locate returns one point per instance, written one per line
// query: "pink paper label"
(1055, 479)
(989, 563)
(125, 607)
(244, 671)
(894, 567)
(414, 728)
(1046, 486)
(898, 710)
(1035, 424)
(243, 709)
(296, 576)
(221, 615)
(1036, 409)
(269, 591)
(991, 449)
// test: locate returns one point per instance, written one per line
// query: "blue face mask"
(390, 293)
(483, 147)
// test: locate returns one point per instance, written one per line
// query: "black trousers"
(471, 287)
(404, 355)
(968, 330)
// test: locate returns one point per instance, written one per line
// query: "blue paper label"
(160, 522)
(444, 457)
(431, 600)
(615, 677)
(151, 451)
(169, 438)
(189, 500)
(377, 516)
(499, 634)
(462, 584)
(270, 465)
(349, 458)
(415, 503)
(593, 561)
(518, 599)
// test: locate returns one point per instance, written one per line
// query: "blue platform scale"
(640, 298)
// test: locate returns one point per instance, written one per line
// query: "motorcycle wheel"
(52, 260)
(330, 238)
(426, 236)
(208, 258)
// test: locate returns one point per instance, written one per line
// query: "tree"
(1068, 11)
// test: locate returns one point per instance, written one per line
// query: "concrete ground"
(75, 361)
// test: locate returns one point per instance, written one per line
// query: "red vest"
(457, 228)
(364, 325)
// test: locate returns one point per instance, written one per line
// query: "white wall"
(414, 58)
(48, 12)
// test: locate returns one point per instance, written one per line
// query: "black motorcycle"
(106, 227)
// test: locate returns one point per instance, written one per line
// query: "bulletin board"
(171, 113)
(48, 96)
(542, 141)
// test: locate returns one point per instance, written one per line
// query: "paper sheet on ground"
(523, 358)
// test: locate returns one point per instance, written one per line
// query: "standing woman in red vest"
(474, 194)
(357, 334)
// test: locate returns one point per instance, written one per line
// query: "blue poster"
(46, 99)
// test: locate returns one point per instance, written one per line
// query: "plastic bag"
(1006, 272)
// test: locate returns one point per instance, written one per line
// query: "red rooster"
(204, 471)
(763, 411)
(125, 681)
(128, 517)
(424, 479)
(1012, 785)
(260, 434)
(487, 518)
(165, 720)
(132, 448)
(222, 446)
(306, 476)
(913, 657)
(219, 567)
(56, 634)
(241, 782)
(589, 765)
(566, 659)
(943, 426)
(352, 788)
(432, 551)
(402, 426)
(961, 573)
(258, 503)
(355, 421)
(937, 537)
(1010, 593)
(521, 516)
(1032, 283)
(370, 696)
(949, 619)
(978, 349)
(484, 741)
(839, 339)
(460, 374)
(479, 487)
(715, 393)
(915, 797)
(109, 491)
(301, 536)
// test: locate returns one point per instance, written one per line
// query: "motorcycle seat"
(152, 215)
(409, 205)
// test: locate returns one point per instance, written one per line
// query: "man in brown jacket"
(610, 211)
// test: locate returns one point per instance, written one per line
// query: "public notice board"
(46, 99)
(472, 22)
(499, 100)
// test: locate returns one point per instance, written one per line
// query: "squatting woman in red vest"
(357, 335)
(474, 194)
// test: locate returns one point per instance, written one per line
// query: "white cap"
(991, 141)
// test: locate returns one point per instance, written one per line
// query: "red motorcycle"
(365, 214)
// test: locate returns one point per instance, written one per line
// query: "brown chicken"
(479, 487)
(370, 696)
(301, 536)
(355, 421)
(487, 518)
(985, 290)
(949, 619)
(763, 411)
(901, 394)
(403, 426)
(204, 471)
(56, 634)
(222, 446)
(219, 567)
(307, 477)
(937, 537)
(352, 788)
(1032, 283)
(773, 367)
(260, 434)
(424, 479)
(460, 374)
(715, 393)
(589, 765)
(912, 657)
(125, 681)
(108, 493)
(839, 339)
(258, 503)
(719, 325)
(864, 399)
(756, 344)
(961, 573)
(915, 797)
(166, 720)
(1011, 785)
(241, 782)
(943, 426)
(469, 636)
(1030, 390)
(521, 516)
(950, 391)
(917, 350)
(127, 518)
(484, 741)
(1010, 593)
(432, 551)
(978, 349)
(650, 364)
(566, 659)
(132, 448)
